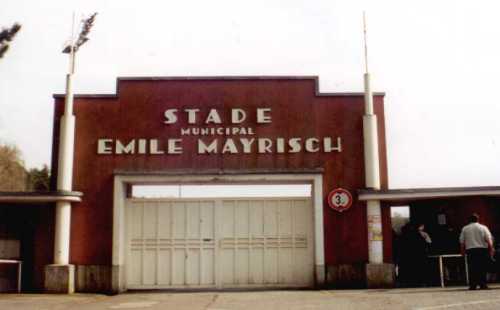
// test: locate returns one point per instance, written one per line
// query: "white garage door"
(219, 243)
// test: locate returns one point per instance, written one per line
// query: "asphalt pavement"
(416, 299)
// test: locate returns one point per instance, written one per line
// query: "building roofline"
(427, 193)
(218, 78)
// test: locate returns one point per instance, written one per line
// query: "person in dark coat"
(413, 250)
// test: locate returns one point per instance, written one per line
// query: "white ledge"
(39, 197)
(431, 193)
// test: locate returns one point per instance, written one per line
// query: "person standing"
(424, 246)
(414, 246)
(477, 243)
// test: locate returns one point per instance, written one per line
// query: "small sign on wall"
(340, 199)
(441, 219)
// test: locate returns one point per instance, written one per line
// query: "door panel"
(219, 243)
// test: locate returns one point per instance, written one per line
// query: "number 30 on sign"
(340, 199)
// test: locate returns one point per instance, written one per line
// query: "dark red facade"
(297, 110)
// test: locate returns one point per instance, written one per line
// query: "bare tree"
(6, 36)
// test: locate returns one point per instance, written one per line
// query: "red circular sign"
(340, 199)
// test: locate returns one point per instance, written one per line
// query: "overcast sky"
(437, 61)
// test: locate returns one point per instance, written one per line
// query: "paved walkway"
(416, 299)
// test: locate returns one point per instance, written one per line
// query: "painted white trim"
(37, 199)
(175, 199)
(425, 195)
(319, 246)
(119, 196)
(118, 247)
(119, 200)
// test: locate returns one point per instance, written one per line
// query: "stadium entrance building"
(207, 131)
(216, 131)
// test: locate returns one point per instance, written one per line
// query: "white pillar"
(65, 178)
(372, 177)
(66, 146)
(62, 233)
(319, 242)
(370, 137)
(375, 239)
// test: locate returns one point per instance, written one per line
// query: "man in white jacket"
(477, 243)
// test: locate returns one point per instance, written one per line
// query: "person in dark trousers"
(413, 249)
(477, 243)
(423, 246)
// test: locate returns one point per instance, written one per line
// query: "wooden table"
(19, 267)
(441, 272)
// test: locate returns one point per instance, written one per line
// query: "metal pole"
(466, 270)
(19, 275)
(372, 170)
(65, 167)
(441, 273)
